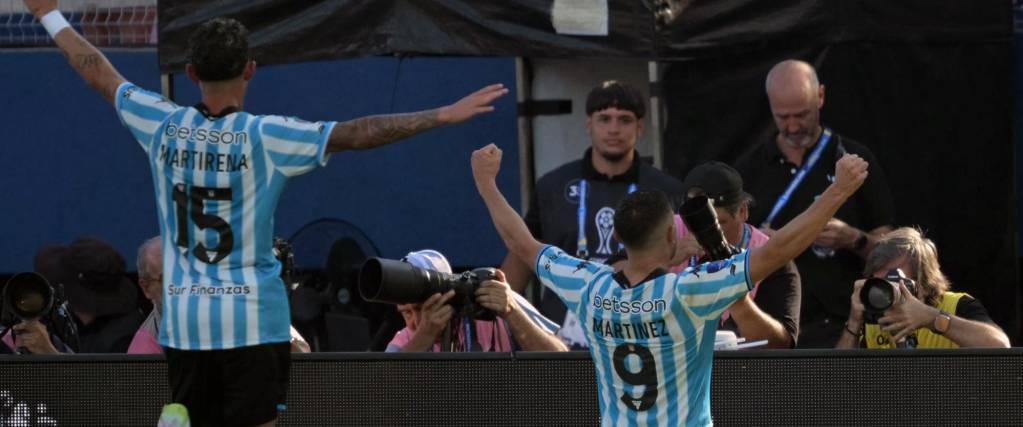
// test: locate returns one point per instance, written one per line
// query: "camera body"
(286, 256)
(396, 282)
(28, 296)
(878, 295)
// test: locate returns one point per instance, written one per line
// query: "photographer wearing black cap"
(906, 303)
(102, 298)
(771, 310)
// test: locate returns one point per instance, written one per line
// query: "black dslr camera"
(396, 282)
(286, 256)
(28, 296)
(878, 295)
(702, 220)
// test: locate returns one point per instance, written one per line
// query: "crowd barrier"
(750, 388)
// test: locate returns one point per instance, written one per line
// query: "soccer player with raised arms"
(218, 172)
(651, 332)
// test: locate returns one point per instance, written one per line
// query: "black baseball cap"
(718, 182)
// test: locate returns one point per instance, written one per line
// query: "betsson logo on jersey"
(629, 307)
(212, 136)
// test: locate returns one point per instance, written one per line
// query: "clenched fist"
(486, 163)
(850, 172)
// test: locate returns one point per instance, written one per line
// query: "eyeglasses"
(157, 278)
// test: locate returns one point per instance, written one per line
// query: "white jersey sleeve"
(709, 288)
(567, 276)
(295, 146)
(142, 112)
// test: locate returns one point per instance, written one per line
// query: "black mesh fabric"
(764, 388)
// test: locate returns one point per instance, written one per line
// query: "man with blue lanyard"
(771, 309)
(788, 172)
(651, 332)
(218, 173)
(573, 206)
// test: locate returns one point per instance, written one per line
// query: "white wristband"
(54, 22)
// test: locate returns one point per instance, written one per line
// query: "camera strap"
(743, 244)
(582, 244)
(467, 324)
(783, 200)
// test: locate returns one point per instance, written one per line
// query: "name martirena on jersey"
(185, 158)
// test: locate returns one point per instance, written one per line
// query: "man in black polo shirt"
(587, 191)
(786, 174)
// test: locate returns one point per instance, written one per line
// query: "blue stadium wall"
(70, 169)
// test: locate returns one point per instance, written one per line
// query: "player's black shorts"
(236, 387)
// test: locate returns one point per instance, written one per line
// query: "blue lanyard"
(743, 244)
(798, 179)
(467, 335)
(582, 245)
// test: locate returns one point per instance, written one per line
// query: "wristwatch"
(941, 322)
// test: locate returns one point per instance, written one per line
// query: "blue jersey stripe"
(195, 235)
(298, 135)
(658, 290)
(610, 395)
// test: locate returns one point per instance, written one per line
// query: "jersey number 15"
(190, 206)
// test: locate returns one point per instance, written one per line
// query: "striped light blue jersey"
(217, 184)
(653, 344)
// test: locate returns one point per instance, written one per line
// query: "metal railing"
(114, 23)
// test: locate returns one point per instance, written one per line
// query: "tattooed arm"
(88, 61)
(373, 131)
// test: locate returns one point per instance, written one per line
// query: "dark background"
(927, 85)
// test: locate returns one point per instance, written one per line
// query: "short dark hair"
(219, 49)
(639, 215)
(615, 94)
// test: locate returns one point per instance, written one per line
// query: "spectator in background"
(932, 316)
(788, 172)
(518, 326)
(771, 310)
(103, 301)
(587, 191)
(150, 269)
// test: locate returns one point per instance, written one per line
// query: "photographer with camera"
(771, 310)
(905, 302)
(102, 300)
(649, 328)
(28, 304)
(517, 326)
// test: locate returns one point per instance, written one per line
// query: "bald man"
(801, 157)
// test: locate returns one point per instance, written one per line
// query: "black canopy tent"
(925, 84)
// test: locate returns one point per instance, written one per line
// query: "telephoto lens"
(702, 220)
(396, 282)
(27, 296)
(878, 295)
